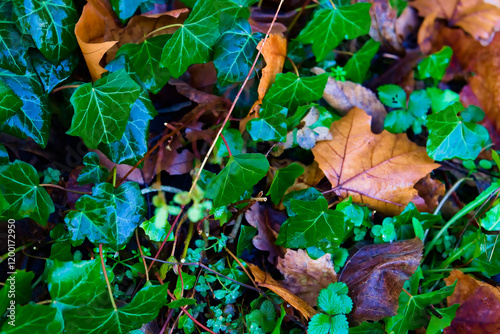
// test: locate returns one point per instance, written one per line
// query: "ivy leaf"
(51, 75)
(270, 125)
(75, 284)
(330, 26)
(181, 302)
(125, 9)
(13, 49)
(9, 102)
(436, 325)
(291, 91)
(450, 137)
(234, 141)
(334, 299)
(440, 99)
(133, 145)
(22, 281)
(245, 244)
(92, 173)
(51, 23)
(192, 42)
(19, 183)
(34, 318)
(234, 53)
(33, 119)
(313, 225)
(412, 313)
(241, 173)
(491, 220)
(103, 109)
(284, 179)
(435, 65)
(143, 308)
(158, 226)
(144, 60)
(357, 67)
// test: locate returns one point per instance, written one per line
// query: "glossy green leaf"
(472, 114)
(233, 139)
(491, 220)
(435, 65)
(245, 240)
(19, 183)
(450, 137)
(51, 23)
(392, 96)
(124, 9)
(367, 328)
(13, 49)
(9, 102)
(270, 125)
(134, 143)
(158, 226)
(330, 26)
(440, 99)
(103, 109)
(357, 67)
(234, 53)
(313, 225)
(291, 91)
(92, 173)
(51, 75)
(144, 60)
(73, 284)
(181, 302)
(436, 325)
(240, 174)
(308, 194)
(284, 179)
(33, 318)
(355, 213)
(20, 281)
(33, 119)
(192, 43)
(412, 313)
(143, 308)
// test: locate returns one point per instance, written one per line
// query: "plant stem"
(160, 29)
(140, 251)
(55, 90)
(188, 240)
(294, 67)
(6, 255)
(106, 277)
(113, 172)
(448, 194)
(62, 188)
(227, 146)
(233, 105)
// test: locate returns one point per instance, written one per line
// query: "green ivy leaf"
(33, 119)
(125, 9)
(133, 145)
(75, 284)
(240, 174)
(33, 318)
(181, 302)
(313, 225)
(334, 299)
(271, 125)
(435, 65)
(291, 91)
(192, 42)
(234, 141)
(103, 109)
(245, 240)
(143, 308)
(234, 53)
(491, 220)
(284, 179)
(436, 325)
(51, 75)
(157, 227)
(51, 24)
(144, 60)
(357, 67)
(19, 183)
(330, 26)
(412, 313)
(92, 173)
(440, 99)
(22, 285)
(450, 137)
(13, 48)
(9, 102)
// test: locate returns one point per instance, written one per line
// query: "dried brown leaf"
(304, 276)
(477, 17)
(378, 170)
(431, 190)
(265, 280)
(345, 95)
(479, 311)
(267, 221)
(375, 275)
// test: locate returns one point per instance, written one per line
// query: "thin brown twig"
(140, 251)
(106, 277)
(183, 309)
(233, 105)
(55, 90)
(62, 188)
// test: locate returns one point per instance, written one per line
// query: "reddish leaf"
(375, 275)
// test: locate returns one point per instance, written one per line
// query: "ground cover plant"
(245, 166)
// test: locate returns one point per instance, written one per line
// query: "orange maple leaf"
(378, 170)
(476, 17)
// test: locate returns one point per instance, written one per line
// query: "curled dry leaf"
(378, 170)
(265, 280)
(96, 20)
(430, 190)
(121, 169)
(304, 276)
(479, 18)
(267, 221)
(375, 275)
(479, 311)
(345, 95)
